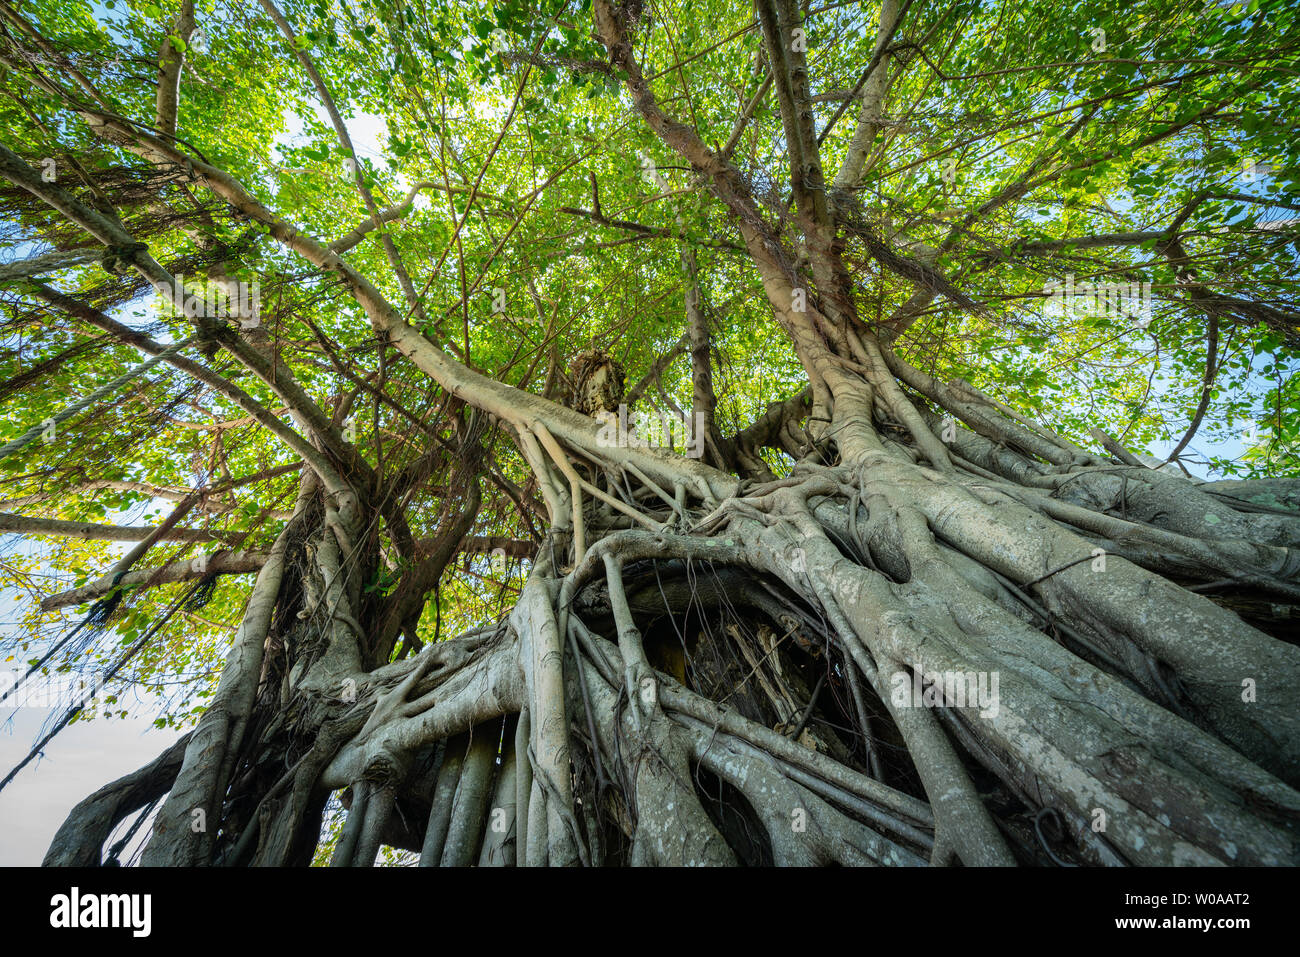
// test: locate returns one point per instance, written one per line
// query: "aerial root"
(444, 797)
(469, 812)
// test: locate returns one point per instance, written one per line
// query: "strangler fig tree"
(594, 433)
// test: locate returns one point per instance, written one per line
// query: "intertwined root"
(1077, 755)
(867, 665)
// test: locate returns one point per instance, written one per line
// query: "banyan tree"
(597, 433)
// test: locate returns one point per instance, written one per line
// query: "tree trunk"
(874, 660)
